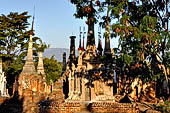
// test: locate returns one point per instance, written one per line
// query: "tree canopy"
(14, 37)
(52, 69)
(13, 33)
(142, 27)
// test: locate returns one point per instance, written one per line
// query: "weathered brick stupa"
(79, 72)
(85, 76)
(31, 84)
(40, 67)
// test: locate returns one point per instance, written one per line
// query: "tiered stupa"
(31, 84)
(29, 67)
(40, 67)
(81, 72)
(92, 76)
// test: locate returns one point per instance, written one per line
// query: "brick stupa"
(40, 68)
(29, 67)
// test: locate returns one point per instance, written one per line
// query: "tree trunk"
(166, 73)
(166, 77)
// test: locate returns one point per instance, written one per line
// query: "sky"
(54, 21)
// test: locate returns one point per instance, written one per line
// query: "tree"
(52, 69)
(43, 46)
(13, 33)
(14, 38)
(85, 9)
(142, 29)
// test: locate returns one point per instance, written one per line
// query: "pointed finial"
(32, 29)
(100, 49)
(83, 36)
(80, 40)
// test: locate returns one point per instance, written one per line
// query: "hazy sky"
(54, 20)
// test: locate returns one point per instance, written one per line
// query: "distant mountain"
(57, 52)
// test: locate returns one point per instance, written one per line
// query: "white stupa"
(3, 90)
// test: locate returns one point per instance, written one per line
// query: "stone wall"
(57, 107)
(104, 107)
(96, 107)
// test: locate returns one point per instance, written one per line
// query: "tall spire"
(80, 48)
(64, 62)
(40, 67)
(29, 67)
(100, 49)
(32, 28)
(107, 50)
(90, 35)
(72, 48)
(83, 37)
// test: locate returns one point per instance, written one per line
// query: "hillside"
(57, 52)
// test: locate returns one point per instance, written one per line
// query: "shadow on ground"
(12, 105)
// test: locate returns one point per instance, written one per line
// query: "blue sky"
(54, 20)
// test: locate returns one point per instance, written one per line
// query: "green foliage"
(142, 27)
(43, 46)
(86, 9)
(13, 33)
(13, 70)
(14, 38)
(52, 69)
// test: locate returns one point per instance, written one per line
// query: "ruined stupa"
(29, 67)
(80, 71)
(40, 67)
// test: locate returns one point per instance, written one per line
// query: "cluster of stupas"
(79, 71)
(31, 85)
(29, 78)
(88, 77)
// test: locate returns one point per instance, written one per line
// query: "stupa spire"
(40, 67)
(29, 67)
(64, 62)
(90, 35)
(72, 48)
(32, 28)
(83, 37)
(107, 50)
(100, 49)
(80, 48)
